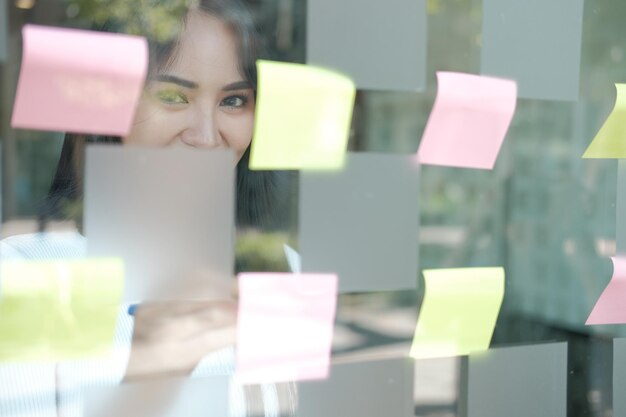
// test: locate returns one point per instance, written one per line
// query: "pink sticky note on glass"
(79, 81)
(285, 326)
(469, 121)
(610, 307)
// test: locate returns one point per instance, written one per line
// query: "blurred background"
(543, 213)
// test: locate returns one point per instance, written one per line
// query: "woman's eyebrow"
(176, 80)
(238, 85)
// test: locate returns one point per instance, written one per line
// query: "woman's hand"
(170, 338)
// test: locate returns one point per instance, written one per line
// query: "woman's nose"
(202, 132)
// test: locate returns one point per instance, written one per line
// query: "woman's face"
(201, 99)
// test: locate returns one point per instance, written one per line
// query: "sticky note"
(364, 389)
(303, 116)
(468, 122)
(619, 376)
(539, 50)
(4, 30)
(79, 81)
(59, 309)
(384, 49)
(169, 213)
(285, 326)
(459, 311)
(293, 259)
(162, 397)
(362, 222)
(610, 142)
(518, 381)
(620, 208)
(609, 308)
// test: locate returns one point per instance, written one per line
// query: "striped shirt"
(48, 389)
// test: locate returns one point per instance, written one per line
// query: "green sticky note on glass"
(459, 311)
(303, 116)
(52, 310)
(610, 142)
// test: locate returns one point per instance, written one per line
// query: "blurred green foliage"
(260, 252)
(156, 19)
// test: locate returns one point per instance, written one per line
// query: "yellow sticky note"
(303, 116)
(51, 310)
(610, 142)
(459, 311)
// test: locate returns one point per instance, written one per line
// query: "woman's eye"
(171, 97)
(234, 101)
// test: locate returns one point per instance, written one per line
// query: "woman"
(200, 92)
(173, 109)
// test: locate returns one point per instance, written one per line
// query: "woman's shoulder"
(47, 245)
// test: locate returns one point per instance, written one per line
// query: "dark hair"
(256, 190)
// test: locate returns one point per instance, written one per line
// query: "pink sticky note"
(285, 326)
(79, 81)
(610, 308)
(469, 120)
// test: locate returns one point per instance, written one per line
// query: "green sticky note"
(459, 311)
(610, 142)
(303, 116)
(52, 310)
